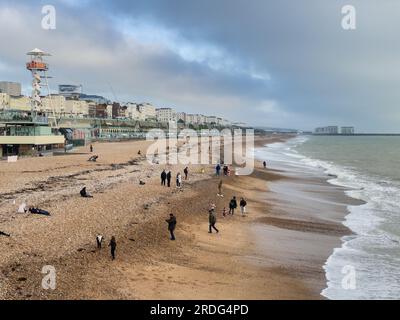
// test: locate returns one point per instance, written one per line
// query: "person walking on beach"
(169, 176)
(99, 240)
(186, 172)
(265, 164)
(224, 212)
(163, 177)
(232, 205)
(178, 180)
(91, 148)
(113, 245)
(212, 219)
(217, 169)
(242, 204)
(220, 188)
(171, 225)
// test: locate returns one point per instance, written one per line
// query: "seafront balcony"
(18, 116)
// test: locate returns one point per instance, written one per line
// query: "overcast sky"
(270, 63)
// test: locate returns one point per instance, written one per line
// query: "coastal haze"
(119, 121)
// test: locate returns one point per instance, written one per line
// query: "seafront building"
(347, 130)
(181, 117)
(327, 130)
(55, 102)
(4, 101)
(166, 115)
(70, 91)
(239, 124)
(11, 88)
(28, 138)
(334, 130)
(148, 111)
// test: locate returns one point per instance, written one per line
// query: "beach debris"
(4, 234)
(12, 158)
(116, 166)
(141, 182)
(22, 279)
(133, 162)
(93, 158)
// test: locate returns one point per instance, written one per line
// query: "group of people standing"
(166, 177)
(225, 169)
(233, 205)
(212, 217)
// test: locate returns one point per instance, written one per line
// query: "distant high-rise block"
(11, 88)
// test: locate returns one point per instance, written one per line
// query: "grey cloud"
(320, 74)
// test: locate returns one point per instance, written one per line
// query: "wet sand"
(275, 252)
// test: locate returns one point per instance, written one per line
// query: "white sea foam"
(373, 250)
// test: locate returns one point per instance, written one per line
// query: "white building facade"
(166, 115)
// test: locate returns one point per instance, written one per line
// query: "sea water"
(369, 166)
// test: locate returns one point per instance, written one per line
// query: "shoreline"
(319, 207)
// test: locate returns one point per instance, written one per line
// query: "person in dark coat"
(186, 172)
(171, 225)
(169, 176)
(91, 148)
(242, 204)
(232, 205)
(212, 219)
(113, 245)
(178, 180)
(163, 177)
(85, 194)
(38, 211)
(265, 164)
(217, 169)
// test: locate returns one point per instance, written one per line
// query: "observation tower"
(39, 67)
